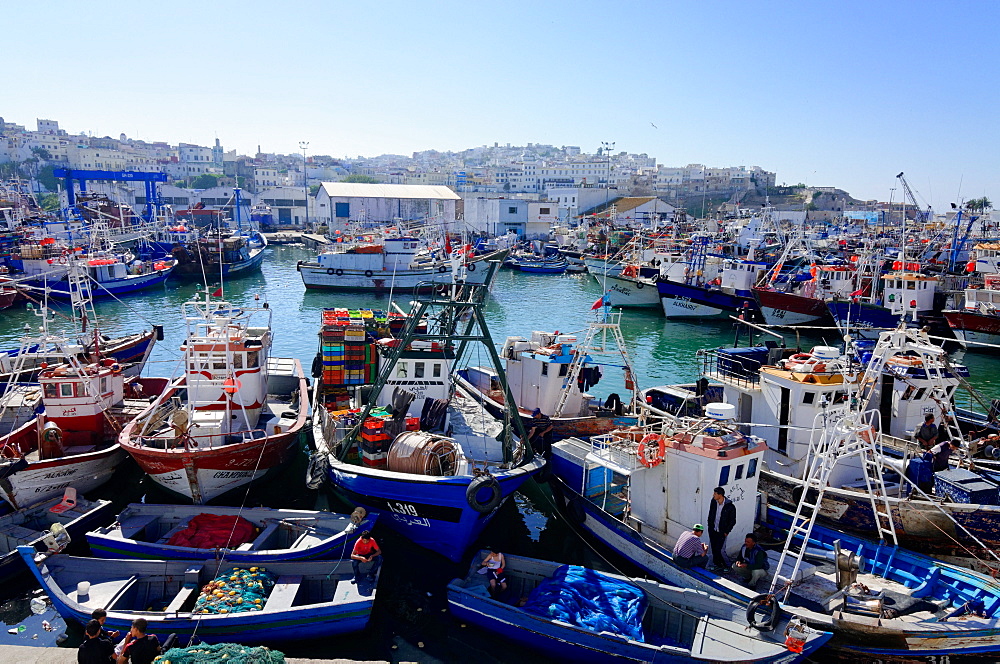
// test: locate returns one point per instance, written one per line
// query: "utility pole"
(305, 180)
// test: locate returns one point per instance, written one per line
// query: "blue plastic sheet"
(591, 600)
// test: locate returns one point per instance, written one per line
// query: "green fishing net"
(236, 591)
(221, 652)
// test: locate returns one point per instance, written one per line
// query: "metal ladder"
(607, 321)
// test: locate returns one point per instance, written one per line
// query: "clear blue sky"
(827, 93)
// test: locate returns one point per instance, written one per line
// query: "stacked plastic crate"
(349, 358)
(374, 443)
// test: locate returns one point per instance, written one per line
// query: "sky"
(844, 94)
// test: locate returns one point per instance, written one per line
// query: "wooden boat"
(31, 525)
(236, 413)
(145, 531)
(678, 625)
(73, 441)
(309, 599)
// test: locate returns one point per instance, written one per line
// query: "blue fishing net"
(236, 591)
(590, 600)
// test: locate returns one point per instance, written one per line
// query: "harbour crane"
(921, 215)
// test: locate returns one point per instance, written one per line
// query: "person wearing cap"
(540, 433)
(690, 551)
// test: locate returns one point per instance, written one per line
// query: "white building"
(288, 205)
(338, 203)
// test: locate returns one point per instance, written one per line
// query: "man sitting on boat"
(690, 551)
(494, 564)
(140, 648)
(94, 649)
(366, 551)
(751, 565)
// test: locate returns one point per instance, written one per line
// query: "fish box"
(958, 485)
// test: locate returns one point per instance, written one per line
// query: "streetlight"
(305, 180)
(608, 147)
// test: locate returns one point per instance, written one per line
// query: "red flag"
(857, 293)
(218, 292)
(599, 303)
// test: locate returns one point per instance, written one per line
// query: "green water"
(412, 598)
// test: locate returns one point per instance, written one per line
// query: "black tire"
(639, 285)
(339, 272)
(330, 271)
(771, 610)
(575, 510)
(442, 269)
(471, 267)
(482, 482)
(368, 273)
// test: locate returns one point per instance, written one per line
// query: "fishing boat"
(554, 373)
(727, 295)
(32, 526)
(978, 321)
(130, 351)
(8, 293)
(637, 490)
(236, 414)
(373, 264)
(219, 254)
(307, 600)
(539, 265)
(73, 441)
(239, 534)
(575, 614)
(906, 295)
(440, 476)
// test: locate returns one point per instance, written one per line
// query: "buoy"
(231, 386)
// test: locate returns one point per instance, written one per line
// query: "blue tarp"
(591, 600)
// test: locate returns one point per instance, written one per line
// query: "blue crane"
(152, 197)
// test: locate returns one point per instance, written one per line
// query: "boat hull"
(110, 543)
(974, 327)
(41, 480)
(114, 288)
(704, 302)
(430, 511)
(631, 292)
(779, 308)
(252, 628)
(320, 278)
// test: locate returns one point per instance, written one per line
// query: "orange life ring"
(62, 260)
(661, 452)
(800, 357)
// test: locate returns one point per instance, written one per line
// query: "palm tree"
(979, 204)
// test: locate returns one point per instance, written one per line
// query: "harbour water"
(410, 615)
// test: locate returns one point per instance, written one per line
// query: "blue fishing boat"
(880, 601)
(297, 600)
(440, 477)
(258, 535)
(545, 266)
(578, 615)
(906, 296)
(99, 276)
(32, 526)
(729, 294)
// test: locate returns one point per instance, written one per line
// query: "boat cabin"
(76, 399)
(740, 276)
(908, 293)
(985, 300)
(663, 499)
(423, 368)
(987, 258)
(537, 371)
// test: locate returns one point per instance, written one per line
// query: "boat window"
(724, 476)
(545, 368)
(418, 369)
(920, 393)
(739, 472)
(401, 370)
(911, 285)
(908, 392)
(104, 384)
(808, 397)
(65, 389)
(752, 468)
(51, 391)
(563, 369)
(252, 358)
(437, 370)
(839, 396)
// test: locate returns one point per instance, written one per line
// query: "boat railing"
(190, 442)
(730, 368)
